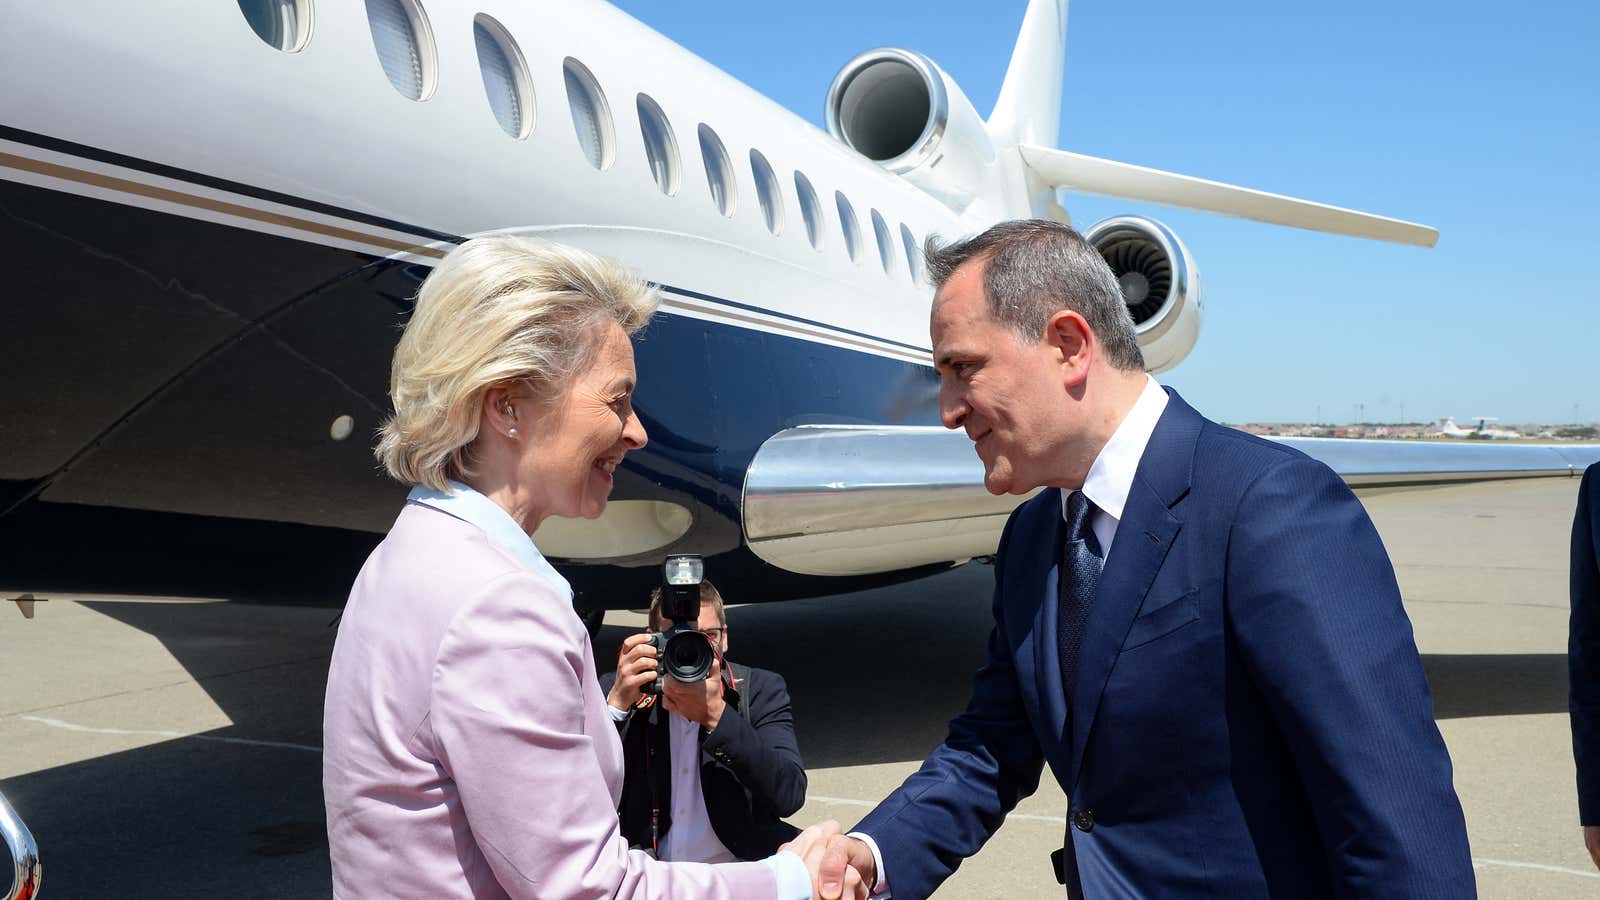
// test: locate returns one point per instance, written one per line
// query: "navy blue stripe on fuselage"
(190, 400)
(85, 151)
(710, 298)
(57, 145)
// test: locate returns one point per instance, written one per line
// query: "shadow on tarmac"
(875, 677)
(201, 816)
(1496, 684)
(42, 548)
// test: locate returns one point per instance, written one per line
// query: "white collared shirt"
(1111, 476)
(690, 838)
(466, 504)
(1107, 485)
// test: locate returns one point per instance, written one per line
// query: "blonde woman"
(468, 751)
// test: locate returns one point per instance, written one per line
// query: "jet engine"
(1159, 283)
(899, 109)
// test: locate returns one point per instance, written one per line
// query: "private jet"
(217, 216)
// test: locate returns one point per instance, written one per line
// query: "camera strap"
(652, 783)
(735, 676)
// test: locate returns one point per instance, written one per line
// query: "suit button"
(1084, 820)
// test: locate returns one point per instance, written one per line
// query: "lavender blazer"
(468, 751)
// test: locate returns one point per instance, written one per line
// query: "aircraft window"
(767, 191)
(404, 42)
(849, 225)
(283, 24)
(913, 255)
(885, 243)
(505, 77)
(659, 145)
(810, 209)
(591, 117)
(719, 171)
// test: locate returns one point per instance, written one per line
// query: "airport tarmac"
(169, 748)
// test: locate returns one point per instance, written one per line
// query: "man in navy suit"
(1583, 657)
(1197, 630)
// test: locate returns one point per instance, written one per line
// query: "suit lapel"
(1144, 535)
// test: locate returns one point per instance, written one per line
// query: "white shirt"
(1107, 485)
(690, 837)
(1111, 476)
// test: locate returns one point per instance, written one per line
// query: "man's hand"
(699, 702)
(813, 846)
(636, 667)
(1591, 840)
(844, 868)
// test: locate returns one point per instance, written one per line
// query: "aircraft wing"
(1093, 175)
(851, 500)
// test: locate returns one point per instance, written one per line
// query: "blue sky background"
(1479, 119)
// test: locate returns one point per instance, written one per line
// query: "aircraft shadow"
(1496, 684)
(205, 815)
(161, 554)
(875, 676)
(180, 819)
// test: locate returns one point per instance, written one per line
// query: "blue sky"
(1481, 120)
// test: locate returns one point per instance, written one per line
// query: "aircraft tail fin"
(1029, 108)
(1027, 116)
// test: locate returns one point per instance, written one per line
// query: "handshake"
(841, 867)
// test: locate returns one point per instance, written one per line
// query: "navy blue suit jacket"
(1583, 647)
(1251, 717)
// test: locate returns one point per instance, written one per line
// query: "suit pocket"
(1162, 621)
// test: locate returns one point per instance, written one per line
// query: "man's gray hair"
(1037, 268)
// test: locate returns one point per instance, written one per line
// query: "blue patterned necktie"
(1076, 583)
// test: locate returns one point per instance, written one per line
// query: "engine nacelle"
(1159, 282)
(899, 109)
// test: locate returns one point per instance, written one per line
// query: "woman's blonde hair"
(496, 310)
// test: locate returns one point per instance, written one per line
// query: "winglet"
(1029, 108)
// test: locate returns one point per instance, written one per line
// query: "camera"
(682, 651)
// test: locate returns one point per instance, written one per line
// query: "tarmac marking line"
(197, 679)
(69, 726)
(1480, 861)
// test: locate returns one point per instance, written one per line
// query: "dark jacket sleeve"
(762, 750)
(1315, 609)
(988, 762)
(1583, 648)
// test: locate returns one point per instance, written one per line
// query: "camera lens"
(688, 655)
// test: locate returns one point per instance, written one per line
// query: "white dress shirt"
(1107, 485)
(1111, 476)
(690, 837)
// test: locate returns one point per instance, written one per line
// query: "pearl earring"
(512, 432)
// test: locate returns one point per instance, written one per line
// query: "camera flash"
(684, 570)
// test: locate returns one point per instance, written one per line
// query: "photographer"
(713, 764)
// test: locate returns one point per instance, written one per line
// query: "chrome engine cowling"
(1159, 282)
(899, 109)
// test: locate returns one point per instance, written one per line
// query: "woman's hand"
(636, 667)
(824, 849)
